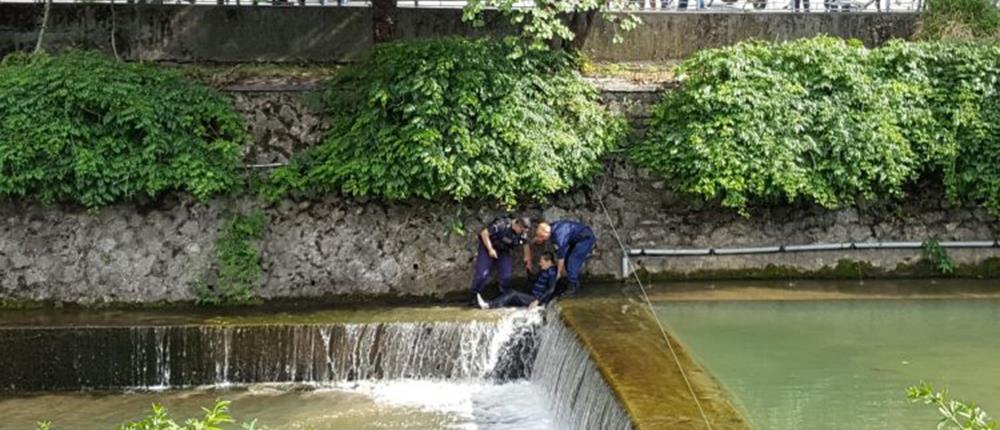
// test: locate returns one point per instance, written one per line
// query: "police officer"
(496, 242)
(573, 242)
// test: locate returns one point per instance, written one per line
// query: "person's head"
(521, 225)
(542, 233)
(546, 261)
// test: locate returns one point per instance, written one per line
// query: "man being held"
(495, 244)
(573, 242)
(543, 290)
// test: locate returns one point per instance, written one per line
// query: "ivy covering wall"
(456, 118)
(830, 122)
(82, 128)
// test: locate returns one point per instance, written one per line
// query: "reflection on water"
(389, 405)
(843, 364)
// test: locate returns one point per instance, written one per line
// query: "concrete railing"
(725, 6)
(234, 34)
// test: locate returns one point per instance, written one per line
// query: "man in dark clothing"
(496, 242)
(573, 242)
(543, 289)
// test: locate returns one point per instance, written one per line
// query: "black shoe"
(572, 290)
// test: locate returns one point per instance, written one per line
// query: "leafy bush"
(775, 122)
(831, 122)
(239, 261)
(456, 118)
(82, 128)
(546, 22)
(959, 19)
(214, 419)
(954, 118)
(956, 415)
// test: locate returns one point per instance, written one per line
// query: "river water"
(843, 364)
(366, 405)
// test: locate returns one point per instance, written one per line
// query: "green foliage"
(776, 122)
(959, 19)
(158, 419)
(456, 118)
(79, 127)
(953, 119)
(239, 261)
(546, 20)
(938, 256)
(956, 415)
(831, 122)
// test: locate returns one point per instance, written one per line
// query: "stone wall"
(153, 251)
(226, 34)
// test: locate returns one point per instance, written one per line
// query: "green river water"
(843, 364)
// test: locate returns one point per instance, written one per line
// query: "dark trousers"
(578, 253)
(485, 264)
(512, 298)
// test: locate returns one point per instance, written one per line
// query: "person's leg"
(511, 298)
(578, 255)
(505, 264)
(481, 270)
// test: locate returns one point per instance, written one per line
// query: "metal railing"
(689, 6)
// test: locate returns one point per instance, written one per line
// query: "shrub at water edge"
(82, 128)
(456, 118)
(214, 419)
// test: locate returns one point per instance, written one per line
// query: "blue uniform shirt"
(545, 281)
(502, 236)
(566, 233)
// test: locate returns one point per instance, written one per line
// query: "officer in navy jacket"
(573, 242)
(496, 241)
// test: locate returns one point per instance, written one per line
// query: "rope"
(670, 346)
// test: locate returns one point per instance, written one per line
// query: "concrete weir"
(629, 351)
(318, 349)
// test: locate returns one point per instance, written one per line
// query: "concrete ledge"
(627, 347)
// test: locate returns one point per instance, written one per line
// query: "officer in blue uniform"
(496, 241)
(574, 242)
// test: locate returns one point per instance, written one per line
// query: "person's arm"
(560, 238)
(485, 237)
(527, 257)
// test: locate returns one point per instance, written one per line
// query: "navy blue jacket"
(502, 236)
(565, 233)
(544, 282)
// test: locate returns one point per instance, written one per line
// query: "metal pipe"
(888, 245)
(814, 247)
(751, 250)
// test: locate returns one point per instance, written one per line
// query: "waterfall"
(580, 397)
(145, 357)
(519, 345)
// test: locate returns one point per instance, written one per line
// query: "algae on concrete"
(628, 348)
(844, 269)
(54, 318)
